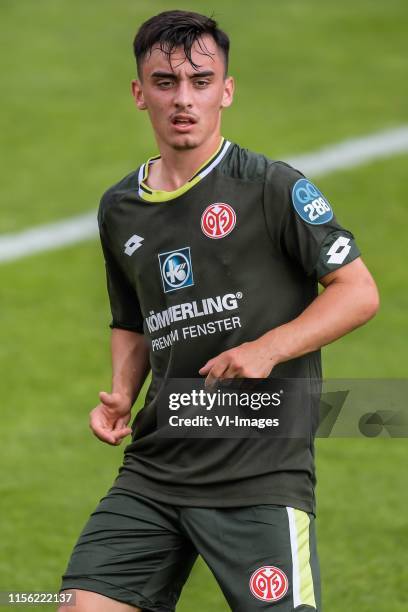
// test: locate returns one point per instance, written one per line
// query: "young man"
(213, 257)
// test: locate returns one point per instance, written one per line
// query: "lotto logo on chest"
(218, 220)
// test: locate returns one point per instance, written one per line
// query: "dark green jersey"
(235, 252)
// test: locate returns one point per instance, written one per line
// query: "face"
(184, 104)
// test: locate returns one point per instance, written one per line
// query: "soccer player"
(213, 257)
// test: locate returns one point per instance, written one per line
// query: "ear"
(137, 93)
(228, 94)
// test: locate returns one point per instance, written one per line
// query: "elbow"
(370, 303)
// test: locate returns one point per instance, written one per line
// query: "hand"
(248, 360)
(109, 419)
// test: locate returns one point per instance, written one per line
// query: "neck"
(176, 166)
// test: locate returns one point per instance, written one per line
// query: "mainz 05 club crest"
(268, 583)
(218, 220)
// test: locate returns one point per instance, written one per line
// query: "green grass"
(371, 201)
(309, 73)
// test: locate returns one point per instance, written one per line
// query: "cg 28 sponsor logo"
(218, 220)
(310, 204)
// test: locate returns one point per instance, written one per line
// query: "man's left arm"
(349, 299)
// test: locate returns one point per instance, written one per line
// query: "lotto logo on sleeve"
(176, 269)
(268, 583)
(310, 204)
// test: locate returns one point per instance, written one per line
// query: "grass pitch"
(308, 73)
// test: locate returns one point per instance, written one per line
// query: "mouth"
(182, 122)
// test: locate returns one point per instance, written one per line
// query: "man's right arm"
(130, 367)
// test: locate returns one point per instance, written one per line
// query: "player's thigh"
(86, 601)
(132, 551)
(264, 557)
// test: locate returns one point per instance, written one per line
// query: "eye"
(201, 83)
(165, 84)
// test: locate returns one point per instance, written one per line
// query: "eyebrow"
(171, 75)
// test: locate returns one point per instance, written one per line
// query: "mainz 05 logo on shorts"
(218, 220)
(310, 204)
(268, 583)
(176, 269)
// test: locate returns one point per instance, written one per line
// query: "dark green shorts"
(140, 551)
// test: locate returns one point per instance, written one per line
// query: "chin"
(185, 141)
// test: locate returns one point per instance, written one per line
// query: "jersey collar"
(156, 195)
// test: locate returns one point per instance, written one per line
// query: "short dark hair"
(172, 29)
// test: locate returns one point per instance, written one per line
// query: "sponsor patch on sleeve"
(310, 204)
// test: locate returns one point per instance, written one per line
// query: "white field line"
(48, 237)
(346, 154)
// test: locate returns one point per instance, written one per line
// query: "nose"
(183, 95)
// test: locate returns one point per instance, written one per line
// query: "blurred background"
(310, 73)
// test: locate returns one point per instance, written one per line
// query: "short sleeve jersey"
(234, 253)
